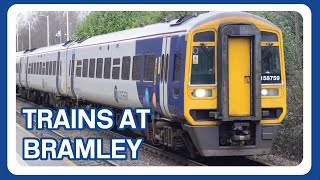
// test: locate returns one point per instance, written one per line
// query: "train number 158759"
(270, 78)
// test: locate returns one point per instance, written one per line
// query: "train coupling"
(241, 131)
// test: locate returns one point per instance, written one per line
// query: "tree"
(97, 23)
(105, 22)
(290, 134)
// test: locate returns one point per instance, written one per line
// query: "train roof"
(149, 30)
(19, 53)
(165, 27)
(55, 47)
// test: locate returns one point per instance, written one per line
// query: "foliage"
(105, 22)
(289, 143)
(97, 23)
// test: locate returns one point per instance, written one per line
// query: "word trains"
(78, 118)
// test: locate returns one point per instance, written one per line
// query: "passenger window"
(115, 72)
(72, 67)
(177, 67)
(54, 66)
(149, 68)
(116, 68)
(85, 68)
(92, 68)
(31, 68)
(99, 68)
(107, 66)
(268, 37)
(125, 72)
(50, 68)
(116, 61)
(34, 68)
(47, 68)
(43, 68)
(38, 68)
(78, 69)
(207, 36)
(60, 67)
(136, 67)
(166, 67)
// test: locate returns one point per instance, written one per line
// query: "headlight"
(270, 92)
(202, 93)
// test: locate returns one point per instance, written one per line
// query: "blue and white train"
(216, 82)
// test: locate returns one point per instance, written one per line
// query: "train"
(216, 82)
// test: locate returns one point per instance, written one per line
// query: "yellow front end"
(192, 102)
(246, 130)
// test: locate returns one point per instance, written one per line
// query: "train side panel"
(111, 90)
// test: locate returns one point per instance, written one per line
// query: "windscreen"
(270, 65)
(202, 65)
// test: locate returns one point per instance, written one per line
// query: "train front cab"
(235, 86)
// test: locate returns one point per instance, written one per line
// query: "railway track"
(216, 161)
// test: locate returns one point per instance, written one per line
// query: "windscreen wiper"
(204, 47)
(266, 53)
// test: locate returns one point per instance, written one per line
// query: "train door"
(239, 76)
(20, 70)
(239, 72)
(63, 72)
(174, 62)
(70, 74)
(26, 71)
(58, 74)
(165, 58)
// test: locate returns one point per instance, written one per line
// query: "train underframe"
(236, 138)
